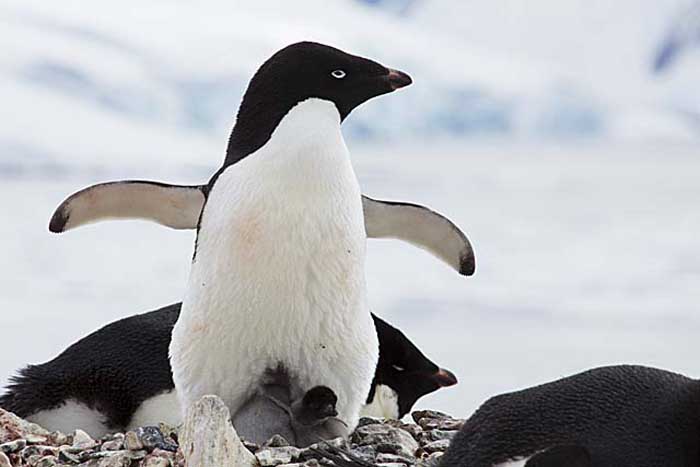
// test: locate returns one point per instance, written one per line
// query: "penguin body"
(622, 416)
(119, 378)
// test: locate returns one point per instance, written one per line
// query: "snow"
(540, 128)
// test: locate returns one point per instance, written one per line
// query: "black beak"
(398, 79)
(444, 378)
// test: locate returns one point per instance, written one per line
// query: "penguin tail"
(30, 391)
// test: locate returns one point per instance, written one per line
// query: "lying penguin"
(615, 416)
(179, 207)
(119, 378)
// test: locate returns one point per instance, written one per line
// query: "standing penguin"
(616, 416)
(277, 277)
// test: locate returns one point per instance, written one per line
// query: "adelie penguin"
(119, 378)
(615, 416)
(277, 278)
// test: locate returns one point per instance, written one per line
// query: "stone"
(113, 445)
(65, 455)
(152, 438)
(412, 429)
(56, 438)
(116, 459)
(426, 437)
(271, 456)
(277, 441)
(82, 440)
(384, 458)
(132, 442)
(154, 461)
(432, 460)
(386, 439)
(47, 461)
(208, 439)
(12, 427)
(13, 446)
(4, 460)
(435, 446)
(431, 414)
(370, 421)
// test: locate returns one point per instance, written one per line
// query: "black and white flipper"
(421, 227)
(179, 206)
(175, 206)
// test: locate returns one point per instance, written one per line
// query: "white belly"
(278, 277)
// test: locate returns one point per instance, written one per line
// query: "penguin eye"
(397, 368)
(338, 74)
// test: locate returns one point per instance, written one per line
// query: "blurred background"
(562, 136)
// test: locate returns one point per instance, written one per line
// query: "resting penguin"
(119, 378)
(277, 276)
(179, 206)
(615, 416)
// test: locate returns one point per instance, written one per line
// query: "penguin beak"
(444, 378)
(397, 79)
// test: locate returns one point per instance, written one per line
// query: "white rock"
(208, 439)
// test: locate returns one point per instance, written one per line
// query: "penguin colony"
(275, 318)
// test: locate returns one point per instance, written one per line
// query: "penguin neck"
(256, 121)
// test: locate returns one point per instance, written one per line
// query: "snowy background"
(562, 136)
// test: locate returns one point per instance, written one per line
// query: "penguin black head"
(298, 72)
(404, 368)
(318, 404)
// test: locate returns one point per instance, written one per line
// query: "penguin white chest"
(278, 275)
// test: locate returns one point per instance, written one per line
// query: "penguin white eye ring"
(338, 74)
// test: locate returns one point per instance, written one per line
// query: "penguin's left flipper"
(179, 206)
(561, 456)
(175, 206)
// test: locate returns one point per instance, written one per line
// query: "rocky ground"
(387, 443)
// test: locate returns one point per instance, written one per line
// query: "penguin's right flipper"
(175, 206)
(569, 455)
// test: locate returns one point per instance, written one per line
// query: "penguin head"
(403, 368)
(318, 404)
(303, 71)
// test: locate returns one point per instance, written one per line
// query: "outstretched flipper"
(175, 206)
(178, 207)
(561, 456)
(421, 227)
